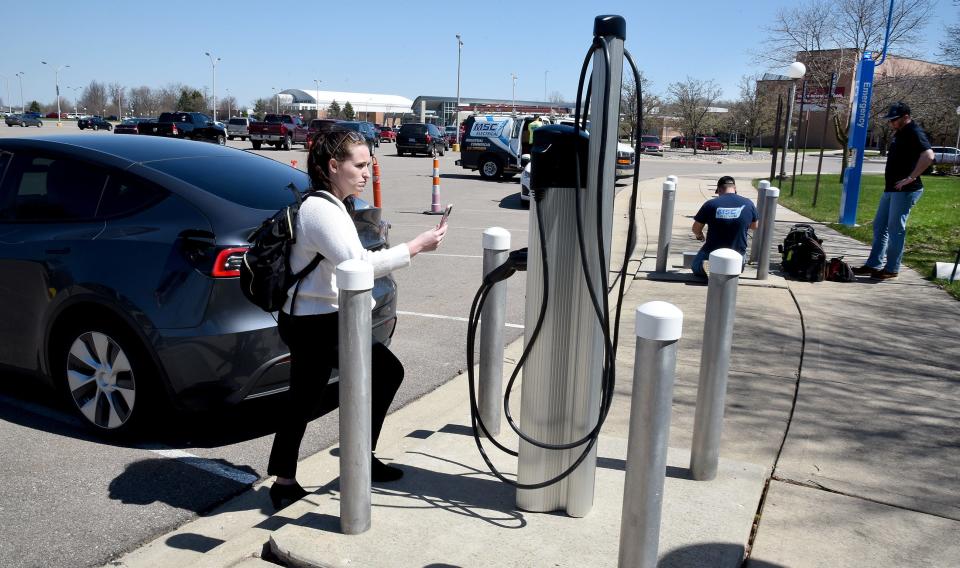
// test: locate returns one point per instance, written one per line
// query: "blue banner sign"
(859, 124)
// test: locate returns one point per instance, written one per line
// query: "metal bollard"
(666, 224)
(762, 187)
(355, 280)
(766, 236)
(673, 179)
(496, 249)
(725, 268)
(658, 327)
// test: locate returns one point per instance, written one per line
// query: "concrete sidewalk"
(840, 441)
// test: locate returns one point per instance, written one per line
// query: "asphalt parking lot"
(72, 499)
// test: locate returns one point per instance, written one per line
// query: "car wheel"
(256, 144)
(106, 374)
(490, 168)
(442, 149)
(399, 152)
(221, 140)
(23, 124)
(96, 127)
(287, 143)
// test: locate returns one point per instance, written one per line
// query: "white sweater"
(324, 226)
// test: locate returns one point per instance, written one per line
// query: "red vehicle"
(708, 143)
(651, 145)
(387, 134)
(280, 130)
(319, 125)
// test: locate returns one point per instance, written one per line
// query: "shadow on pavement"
(710, 554)
(513, 201)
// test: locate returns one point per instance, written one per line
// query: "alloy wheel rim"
(489, 168)
(100, 380)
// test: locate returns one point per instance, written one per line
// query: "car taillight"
(174, 131)
(429, 138)
(228, 262)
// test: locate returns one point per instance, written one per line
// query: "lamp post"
(229, 106)
(316, 98)
(456, 111)
(545, 84)
(20, 76)
(56, 75)
(7, 81)
(514, 95)
(794, 72)
(213, 66)
(76, 111)
(276, 95)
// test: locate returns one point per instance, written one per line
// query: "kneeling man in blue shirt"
(727, 216)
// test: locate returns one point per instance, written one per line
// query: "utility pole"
(56, 75)
(514, 96)
(213, 65)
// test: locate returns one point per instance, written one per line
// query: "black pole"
(826, 122)
(806, 136)
(776, 138)
(955, 264)
(796, 143)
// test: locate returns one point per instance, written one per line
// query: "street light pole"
(456, 111)
(514, 96)
(316, 98)
(796, 71)
(56, 75)
(213, 65)
(20, 76)
(7, 81)
(545, 85)
(276, 95)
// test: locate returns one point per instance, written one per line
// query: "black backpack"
(840, 271)
(265, 275)
(802, 255)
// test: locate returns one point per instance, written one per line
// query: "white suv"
(239, 127)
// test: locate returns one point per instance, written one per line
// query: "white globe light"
(797, 70)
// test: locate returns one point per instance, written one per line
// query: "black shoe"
(865, 271)
(280, 493)
(382, 472)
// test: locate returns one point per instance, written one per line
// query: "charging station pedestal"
(562, 378)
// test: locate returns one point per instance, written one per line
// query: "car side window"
(126, 194)
(47, 188)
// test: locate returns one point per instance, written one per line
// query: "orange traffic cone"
(376, 182)
(435, 207)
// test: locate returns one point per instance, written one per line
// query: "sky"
(387, 47)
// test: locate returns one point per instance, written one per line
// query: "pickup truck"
(188, 125)
(281, 130)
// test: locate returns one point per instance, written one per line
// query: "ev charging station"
(562, 377)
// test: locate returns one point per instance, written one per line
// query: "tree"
(94, 98)
(333, 111)
(261, 106)
(348, 111)
(691, 99)
(950, 47)
(751, 113)
(118, 97)
(34, 106)
(555, 97)
(190, 100)
(142, 100)
(227, 106)
(628, 106)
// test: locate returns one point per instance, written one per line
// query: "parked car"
(164, 320)
(450, 135)
(418, 137)
(369, 133)
(708, 143)
(94, 123)
(54, 115)
(130, 125)
(319, 125)
(678, 142)
(387, 134)
(188, 125)
(280, 130)
(23, 120)
(651, 145)
(946, 155)
(239, 127)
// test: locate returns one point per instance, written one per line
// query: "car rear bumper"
(268, 137)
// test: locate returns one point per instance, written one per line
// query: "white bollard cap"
(674, 179)
(660, 321)
(773, 192)
(355, 274)
(764, 184)
(669, 186)
(726, 261)
(496, 238)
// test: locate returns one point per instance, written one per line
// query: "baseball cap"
(897, 110)
(725, 180)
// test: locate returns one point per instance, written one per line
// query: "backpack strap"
(298, 278)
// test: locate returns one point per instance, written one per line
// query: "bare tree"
(752, 113)
(691, 99)
(118, 97)
(167, 97)
(94, 98)
(628, 108)
(227, 106)
(141, 100)
(950, 47)
(555, 97)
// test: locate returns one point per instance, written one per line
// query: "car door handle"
(58, 251)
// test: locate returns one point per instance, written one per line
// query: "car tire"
(221, 139)
(440, 152)
(229, 137)
(106, 373)
(96, 127)
(287, 143)
(399, 152)
(23, 124)
(256, 144)
(490, 167)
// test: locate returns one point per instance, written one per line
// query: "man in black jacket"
(909, 156)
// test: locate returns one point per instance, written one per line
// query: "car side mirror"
(524, 160)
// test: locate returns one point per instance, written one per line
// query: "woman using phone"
(339, 165)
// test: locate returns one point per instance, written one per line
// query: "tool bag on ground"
(840, 271)
(802, 255)
(265, 275)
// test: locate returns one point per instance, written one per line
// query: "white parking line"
(205, 464)
(452, 255)
(454, 318)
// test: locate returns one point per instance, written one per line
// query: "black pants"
(313, 355)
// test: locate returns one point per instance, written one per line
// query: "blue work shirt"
(727, 217)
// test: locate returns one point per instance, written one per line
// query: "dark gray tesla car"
(119, 281)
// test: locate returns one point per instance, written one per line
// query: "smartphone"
(443, 220)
